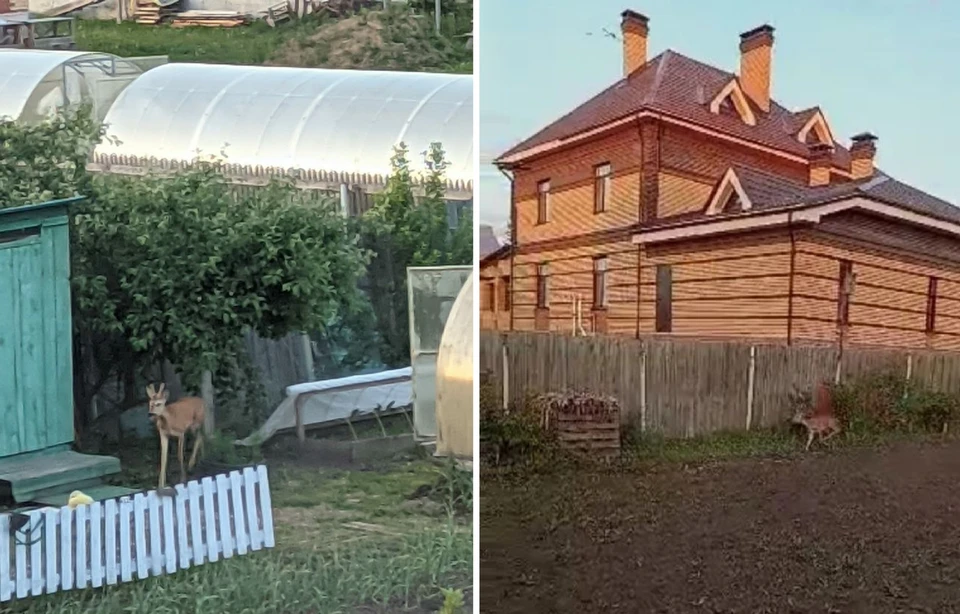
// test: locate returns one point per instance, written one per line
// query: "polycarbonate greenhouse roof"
(328, 121)
(22, 70)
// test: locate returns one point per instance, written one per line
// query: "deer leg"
(164, 443)
(809, 439)
(197, 444)
(180, 445)
(832, 433)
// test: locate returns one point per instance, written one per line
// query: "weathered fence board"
(686, 387)
(147, 534)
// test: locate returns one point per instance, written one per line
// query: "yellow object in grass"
(77, 499)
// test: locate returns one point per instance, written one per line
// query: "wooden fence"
(685, 388)
(132, 538)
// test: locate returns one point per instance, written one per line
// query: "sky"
(890, 67)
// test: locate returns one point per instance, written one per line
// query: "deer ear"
(150, 391)
(165, 394)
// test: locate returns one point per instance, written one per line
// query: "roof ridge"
(658, 76)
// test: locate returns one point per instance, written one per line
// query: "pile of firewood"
(152, 12)
(209, 19)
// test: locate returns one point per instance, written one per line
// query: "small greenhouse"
(35, 84)
(330, 130)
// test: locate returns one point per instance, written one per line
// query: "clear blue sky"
(888, 66)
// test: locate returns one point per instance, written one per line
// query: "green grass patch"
(253, 44)
(337, 578)
(344, 539)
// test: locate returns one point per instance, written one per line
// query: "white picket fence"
(133, 538)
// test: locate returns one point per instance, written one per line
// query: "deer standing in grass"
(176, 420)
(817, 425)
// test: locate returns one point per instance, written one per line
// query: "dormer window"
(729, 195)
(815, 130)
(731, 99)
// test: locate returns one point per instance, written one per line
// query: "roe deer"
(176, 420)
(817, 426)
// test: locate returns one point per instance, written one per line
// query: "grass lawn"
(346, 541)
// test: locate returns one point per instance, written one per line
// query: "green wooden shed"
(36, 359)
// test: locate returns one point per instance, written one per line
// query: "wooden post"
(436, 8)
(298, 412)
(751, 375)
(306, 345)
(506, 375)
(206, 391)
(846, 295)
(643, 389)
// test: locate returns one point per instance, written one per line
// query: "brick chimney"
(821, 158)
(862, 152)
(634, 28)
(756, 52)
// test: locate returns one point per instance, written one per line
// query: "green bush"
(887, 403)
(512, 435)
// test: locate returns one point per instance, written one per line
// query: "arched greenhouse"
(35, 84)
(332, 130)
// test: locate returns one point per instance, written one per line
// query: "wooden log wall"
(686, 388)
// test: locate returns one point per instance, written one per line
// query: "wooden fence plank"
(183, 547)
(223, 516)
(253, 520)
(210, 518)
(80, 547)
(126, 545)
(239, 524)
(23, 586)
(198, 548)
(6, 585)
(140, 536)
(96, 545)
(38, 526)
(265, 506)
(66, 548)
(50, 517)
(169, 544)
(153, 508)
(110, 540)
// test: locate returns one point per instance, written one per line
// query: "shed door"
(23, 364)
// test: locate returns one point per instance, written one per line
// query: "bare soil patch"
(859, 530)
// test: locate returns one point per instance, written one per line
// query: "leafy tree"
(46, 161)
(403, 231)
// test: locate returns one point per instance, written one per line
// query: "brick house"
(683, 199)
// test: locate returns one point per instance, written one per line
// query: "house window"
(543, 301)
(601, 187)
(844, 292)
(599, 282)
(505, 284)
(664, 303)
(932, 305)
(491, 296)
(543, 202)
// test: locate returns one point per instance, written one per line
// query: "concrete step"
(29, 477)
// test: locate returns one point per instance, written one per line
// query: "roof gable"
(731, 92)
(677, 86)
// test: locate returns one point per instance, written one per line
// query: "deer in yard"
(176, 420)
(817, 425)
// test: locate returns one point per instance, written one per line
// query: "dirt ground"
(868, 530)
